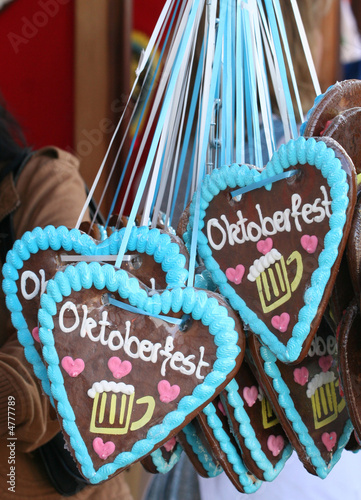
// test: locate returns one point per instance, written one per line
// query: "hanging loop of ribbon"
(136, 310)
(264, 182)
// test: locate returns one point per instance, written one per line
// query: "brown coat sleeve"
(51, 191)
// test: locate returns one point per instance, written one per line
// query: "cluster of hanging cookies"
(253, 357)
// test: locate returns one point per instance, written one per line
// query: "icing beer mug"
(112, 411)
(271, 274)
(269, 418)
(325, 405)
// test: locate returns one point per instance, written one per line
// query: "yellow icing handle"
(149, 400)
(273, 285)
(299, 272)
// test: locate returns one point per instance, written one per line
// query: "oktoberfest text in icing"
(132, 346)
(281, 221)
(322, 347)
(30, 280)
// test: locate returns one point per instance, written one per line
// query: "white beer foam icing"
(259, 265)
(319, 380)
(105, 386)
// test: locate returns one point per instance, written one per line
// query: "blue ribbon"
(264, 182)
(132, 309)
(143, 110)
(158, 130)
(213, 83)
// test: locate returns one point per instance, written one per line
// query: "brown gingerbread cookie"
(259, 435)
(341, 295)
(349, 345)
(198, 450)
(307, 400)
(271, 245)
(36, 257)
(217, 430)
(354, 444)
(337, 99)
(353, 250)
(164, 459)
(128, 373)
(345, 128)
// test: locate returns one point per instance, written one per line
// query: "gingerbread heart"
(345, 129)
(298, 203)
(176, 368)
(337, 99)
(337, 114)
(255, 426)
(349, 347)
(224, 447)
(313, 414)
(354, 443)
(164, 458)
(198, 450)
(37, 256)
(353, 253)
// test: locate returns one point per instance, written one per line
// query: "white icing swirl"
(259, 265)
(319, 380)
(105, 386)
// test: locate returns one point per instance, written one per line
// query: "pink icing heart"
(221, 408)
(325, 362)
(168, 392)
(119, 368)
(329, 440)
(264, 246)
(250, 395)
(169, 445)
(309, 243)
(281, 322)
(235, 275)
(73, 367)
(301, 375)
(275, 444)
(35, 334)
(104, 450)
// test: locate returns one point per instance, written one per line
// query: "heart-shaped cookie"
(307, 401)
(353, 253)
(345, 128)
(140, 412)
(224, 447)
(354, 443)
(337, 114)
(306, 190)
(337, 99)
(349, 347)
(36, 257)
(198, 450)
(164, 458)
(255, 426)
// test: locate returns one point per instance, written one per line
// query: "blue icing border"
(198, 449)
(144, 240)
(230, 451)
(299, 151)
(286, 402)
(164, 466)
(196, 302)
(247, 431)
